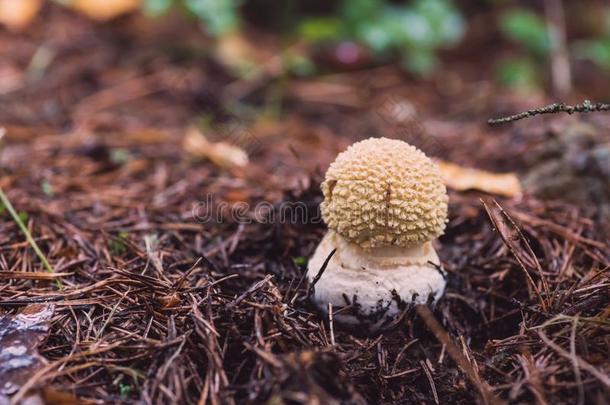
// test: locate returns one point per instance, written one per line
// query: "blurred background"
(553, 47)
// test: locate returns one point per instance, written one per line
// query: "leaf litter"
(217, 311)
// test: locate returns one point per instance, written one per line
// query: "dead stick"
(443, 337)
(586, 107)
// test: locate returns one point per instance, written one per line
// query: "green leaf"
(299, 65)
(518, 73)
(320, 29)
(419, 61)
(219, 16)
(155, 8)
(447, 25)
(118, 245)
(300, 261)
(23, 217)
(125, 390)
(597, 51)
(47, 187)
(120, 156)
(376, 36)
(527, 29)
(411, 28)
(356, 12)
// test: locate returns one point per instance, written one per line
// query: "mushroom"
(384, 202)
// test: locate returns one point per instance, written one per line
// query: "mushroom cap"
(384, 192)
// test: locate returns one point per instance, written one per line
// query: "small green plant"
(521, 72)
(23, 216)
(299, 261)
(596, 50)
(120, 156)
(524, 28)
(125, 390)
(118, 245)
(47, 188)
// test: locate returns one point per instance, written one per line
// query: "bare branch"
(586, 107)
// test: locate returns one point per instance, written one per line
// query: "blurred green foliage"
(527, 29)
(219, 17)
(47, 187)
(125, 390)
(596, 49)
(118, 245)
(415, 31)
(23, 216)
(520, 72)
(300, 261)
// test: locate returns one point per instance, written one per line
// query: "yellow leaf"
(17, 14)
(222, 154)
(103, 10)
(465, 178)
(246, 58)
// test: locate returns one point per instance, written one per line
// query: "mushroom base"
(375, 284)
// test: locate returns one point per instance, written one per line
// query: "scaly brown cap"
(384, 192)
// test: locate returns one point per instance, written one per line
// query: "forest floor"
(159, 305)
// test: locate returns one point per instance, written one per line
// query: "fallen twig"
(603, 378)
(322, 269)
(586, 107)
(31, 275)
(443, 337)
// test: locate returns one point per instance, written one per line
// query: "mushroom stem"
(378, 283)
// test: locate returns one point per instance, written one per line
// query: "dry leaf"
(17, 14)
(465, 178)
(103, 10)
(222, 154)
(170, 301)
(244, 57)
(20, 336)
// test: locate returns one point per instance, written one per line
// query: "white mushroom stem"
(377, 282)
